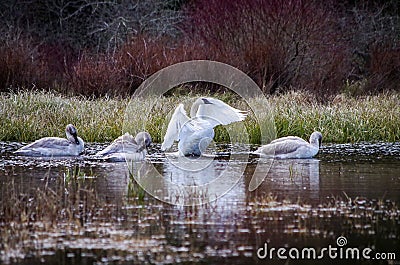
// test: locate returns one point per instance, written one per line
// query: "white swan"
(195, 134)
(126, 147)
(291, 147)
(55, 146)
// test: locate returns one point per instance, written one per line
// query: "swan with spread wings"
(194, 134)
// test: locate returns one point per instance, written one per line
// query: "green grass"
(27, 116)
(345, 119)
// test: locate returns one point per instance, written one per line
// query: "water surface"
(349, 190)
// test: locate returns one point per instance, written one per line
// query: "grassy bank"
(27, 116)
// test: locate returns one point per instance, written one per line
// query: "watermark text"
(332, 252)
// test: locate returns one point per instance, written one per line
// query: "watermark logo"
(341, 241)
(340, 252)
(175, 188)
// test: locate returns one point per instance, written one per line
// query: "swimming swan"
(55, 146)
(195, 134)
(126, 147)
(292, 147)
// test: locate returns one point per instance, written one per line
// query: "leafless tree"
(95, 24)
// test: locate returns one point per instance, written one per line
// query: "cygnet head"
(197, 103)
(316, 138)
(143, 139)
(206, 101)
(72, 133)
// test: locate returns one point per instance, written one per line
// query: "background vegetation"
(98, 48)
(346, 119)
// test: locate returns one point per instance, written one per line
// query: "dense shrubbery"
(280, 44)
(108, 48)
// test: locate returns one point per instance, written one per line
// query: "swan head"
(206, 101)
(143, 139)
(197, 103)
(72, 134)
(316, 138)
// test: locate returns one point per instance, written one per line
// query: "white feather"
(291, 147)
(194, 134)
(217, 112)
(127, 148)
(178, 119)
(55, 146)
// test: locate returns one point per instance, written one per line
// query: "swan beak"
(147, 143)
(75, 138)
(206, 101)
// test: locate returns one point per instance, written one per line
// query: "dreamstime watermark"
(340, 251)
(188, 180)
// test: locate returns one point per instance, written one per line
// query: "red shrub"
(141, 57)
(281, 44)
(278, 43)
(122, 73)
(18, 67)
(27, 65)
(383, 69)
(95, 76)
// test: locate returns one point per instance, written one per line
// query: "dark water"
(347, 190)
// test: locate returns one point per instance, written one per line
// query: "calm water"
(347, 190)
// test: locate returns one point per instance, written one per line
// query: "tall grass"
(345, 119)
(27, 116)
(66, 204)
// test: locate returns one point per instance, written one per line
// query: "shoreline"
(27, 116)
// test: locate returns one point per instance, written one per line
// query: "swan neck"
(194, 109)
(315, 141)
(73, 138)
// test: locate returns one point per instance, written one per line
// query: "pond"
(82, 210)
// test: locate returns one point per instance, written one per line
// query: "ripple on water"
(363, 149)
(151, 231)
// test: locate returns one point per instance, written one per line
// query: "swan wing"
(46, 146)
(280, 147)
(178, 119)
(126, 137)
(48, 142)
(288, 147)
(114, 147)
(196, 127)
(217, 112)
(289, 138)
(123, 144)
(121, 147)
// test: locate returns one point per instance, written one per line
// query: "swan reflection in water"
(192, 180)
(199, 180)
(290, 178)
